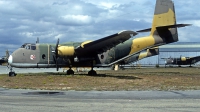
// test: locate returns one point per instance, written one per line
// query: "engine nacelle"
(66, 50)
(183, 58)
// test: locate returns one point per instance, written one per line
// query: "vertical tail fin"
(164, 16)
(164, 27)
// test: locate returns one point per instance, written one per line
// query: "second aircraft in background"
(181, 60)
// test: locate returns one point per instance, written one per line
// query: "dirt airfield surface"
(165, 79)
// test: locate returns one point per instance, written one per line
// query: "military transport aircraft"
(103, 52)
(4, 59)
(182, 60)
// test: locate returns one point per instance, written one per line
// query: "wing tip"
(127, 31)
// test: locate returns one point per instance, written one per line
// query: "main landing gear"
(70, 71)
(92, 72)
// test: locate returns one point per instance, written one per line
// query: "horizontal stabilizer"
(165, 27)
(172, 26)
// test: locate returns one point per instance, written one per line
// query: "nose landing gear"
(11, 73)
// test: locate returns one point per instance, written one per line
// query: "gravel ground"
(109, 80)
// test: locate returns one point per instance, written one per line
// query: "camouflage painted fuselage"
(41, 56)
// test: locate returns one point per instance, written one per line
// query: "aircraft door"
(50, 55)
(43, 53)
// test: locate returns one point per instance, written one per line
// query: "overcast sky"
(22, 21)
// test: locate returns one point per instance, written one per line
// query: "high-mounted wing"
(103, 44)
(195, 59)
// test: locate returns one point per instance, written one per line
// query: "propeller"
(7, 54)
(55, 51)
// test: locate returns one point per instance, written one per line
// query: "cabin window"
(43, 56)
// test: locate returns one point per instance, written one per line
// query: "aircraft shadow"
(115, 76)
(99, 75)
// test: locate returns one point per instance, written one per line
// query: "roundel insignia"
(32, 57)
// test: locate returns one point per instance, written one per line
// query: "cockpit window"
(29, 46)
(33, 47)
(23, 46)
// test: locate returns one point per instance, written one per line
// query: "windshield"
(29, 46)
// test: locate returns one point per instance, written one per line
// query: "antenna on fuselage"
(37, 40)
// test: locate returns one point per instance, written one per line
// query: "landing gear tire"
(70, 72)
(92, 73)
(12, 74)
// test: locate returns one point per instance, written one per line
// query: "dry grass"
(129, 79)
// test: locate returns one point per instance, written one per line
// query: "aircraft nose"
(10, 59)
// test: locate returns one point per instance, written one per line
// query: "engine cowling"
(66, 51)
(183, 58)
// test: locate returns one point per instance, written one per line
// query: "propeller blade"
(56, 49)
(55, 56)
(56, 62)
(7, 54)
(52, 49)
(57, 68)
